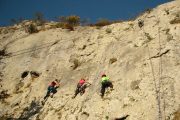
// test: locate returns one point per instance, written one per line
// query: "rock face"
(143, 64)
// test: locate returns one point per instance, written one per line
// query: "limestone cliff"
(143, 64)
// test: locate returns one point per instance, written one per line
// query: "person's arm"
(88, 83)
(57, 84)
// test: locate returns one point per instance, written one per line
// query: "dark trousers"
(50, 90)
(105, 85)
(80, 89)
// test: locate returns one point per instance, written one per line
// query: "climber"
(105, 83)
(140, 23)
(81, 86)
(52, 88)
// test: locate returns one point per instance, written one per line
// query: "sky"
(86, 9)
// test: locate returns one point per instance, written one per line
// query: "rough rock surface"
(143, 64)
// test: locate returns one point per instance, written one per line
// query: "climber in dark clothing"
(140, 23)
(81, 86)
(105, 83)
(52, 89)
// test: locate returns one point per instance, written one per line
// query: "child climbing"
(81, 86)
(105, 83)
(52, 89)
(140, 23)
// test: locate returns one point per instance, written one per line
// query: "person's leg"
(48, 93)
(82, 89)
(103, 86)
(110, 84)
(53, 91)
(76, 91)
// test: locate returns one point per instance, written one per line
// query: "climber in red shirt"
(81, 86)
(52, 88)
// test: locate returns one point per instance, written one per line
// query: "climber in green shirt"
(105, 83)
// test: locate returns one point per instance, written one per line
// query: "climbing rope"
(160, 71)
(154, 79)
(102, 60)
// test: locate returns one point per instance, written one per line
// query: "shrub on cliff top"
(32, 29)
(102, 22)
(73, 20)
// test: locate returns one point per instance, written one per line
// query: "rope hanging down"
(160, 73)
(157, 88)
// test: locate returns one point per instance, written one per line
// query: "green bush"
(65, 26)
(60, 25)
(73, 20)
(68, 22)
(39, 18)
(102, 22)
(32, 29)
(69, 27)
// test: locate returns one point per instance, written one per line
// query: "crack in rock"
(160, 54)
